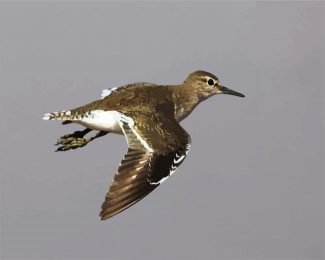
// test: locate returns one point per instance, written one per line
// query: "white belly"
(102, 121)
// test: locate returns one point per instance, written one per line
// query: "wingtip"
(107, 92)
(106, 215)
(102, 216)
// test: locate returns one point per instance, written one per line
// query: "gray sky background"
(252, 186)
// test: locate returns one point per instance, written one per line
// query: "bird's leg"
(76, 140)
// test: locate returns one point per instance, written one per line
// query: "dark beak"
(228, 91)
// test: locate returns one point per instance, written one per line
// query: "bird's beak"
(228, 91)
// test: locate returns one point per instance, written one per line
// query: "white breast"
(102, 121)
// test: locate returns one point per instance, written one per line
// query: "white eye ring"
(210, 82)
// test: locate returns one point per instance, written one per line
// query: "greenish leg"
(76, 140)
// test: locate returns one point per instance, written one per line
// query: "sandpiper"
(148, 115)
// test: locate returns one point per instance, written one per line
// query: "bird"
(149, 117)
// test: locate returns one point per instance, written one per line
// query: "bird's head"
(206, 85)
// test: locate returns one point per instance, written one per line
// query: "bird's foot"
(73, 141)
(69, 143)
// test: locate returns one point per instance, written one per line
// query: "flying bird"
(148, 115)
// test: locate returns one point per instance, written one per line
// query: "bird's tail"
(62, 115)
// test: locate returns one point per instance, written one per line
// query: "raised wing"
(155, 151)
(107, 92)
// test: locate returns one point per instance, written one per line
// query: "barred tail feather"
(62, 115)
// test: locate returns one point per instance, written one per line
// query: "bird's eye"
(210, 82)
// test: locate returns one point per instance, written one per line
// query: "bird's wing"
(156, 149)
(107, 92)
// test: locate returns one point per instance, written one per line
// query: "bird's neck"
(185, 99)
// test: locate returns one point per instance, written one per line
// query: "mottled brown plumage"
(148, 115)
